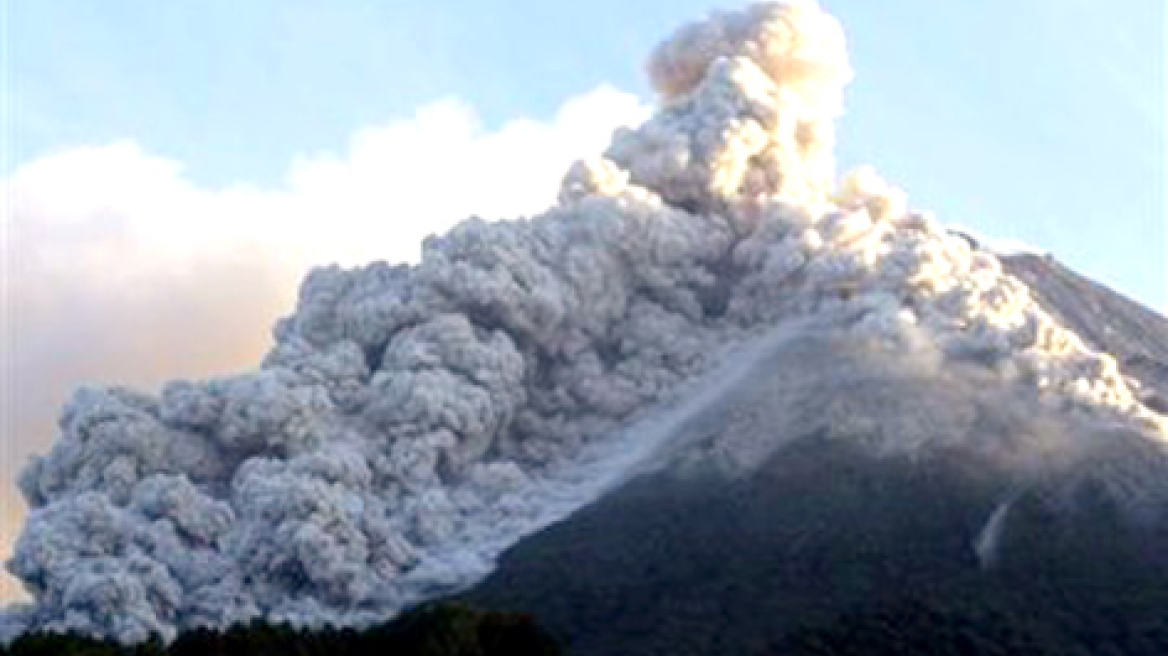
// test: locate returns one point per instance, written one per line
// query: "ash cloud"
(118, 267)
(413, 420)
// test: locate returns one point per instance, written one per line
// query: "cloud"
(119, 268)
(412, 422)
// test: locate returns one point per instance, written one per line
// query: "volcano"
(709, 399)
(894, 507)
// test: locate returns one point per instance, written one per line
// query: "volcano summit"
(709, 383)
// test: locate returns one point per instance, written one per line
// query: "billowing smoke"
(211, 269)
(412, 421)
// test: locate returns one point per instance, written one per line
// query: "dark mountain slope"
(837, 481)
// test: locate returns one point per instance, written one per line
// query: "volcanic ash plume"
(413, 421)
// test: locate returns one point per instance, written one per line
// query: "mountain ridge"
(696, 558)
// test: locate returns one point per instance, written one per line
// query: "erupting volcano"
(709, 377)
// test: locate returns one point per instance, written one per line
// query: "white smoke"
(117, 266)
(989, 539)
(411, 421)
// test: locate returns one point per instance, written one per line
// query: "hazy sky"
(171, 168)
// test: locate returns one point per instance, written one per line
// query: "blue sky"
(1040, 120)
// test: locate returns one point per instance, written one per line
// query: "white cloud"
(119, 269)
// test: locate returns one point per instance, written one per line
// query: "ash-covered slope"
(414, 421)
(1136, 336)
(834, 477)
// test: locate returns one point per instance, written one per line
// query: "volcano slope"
(744, 397)
(835, 480)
